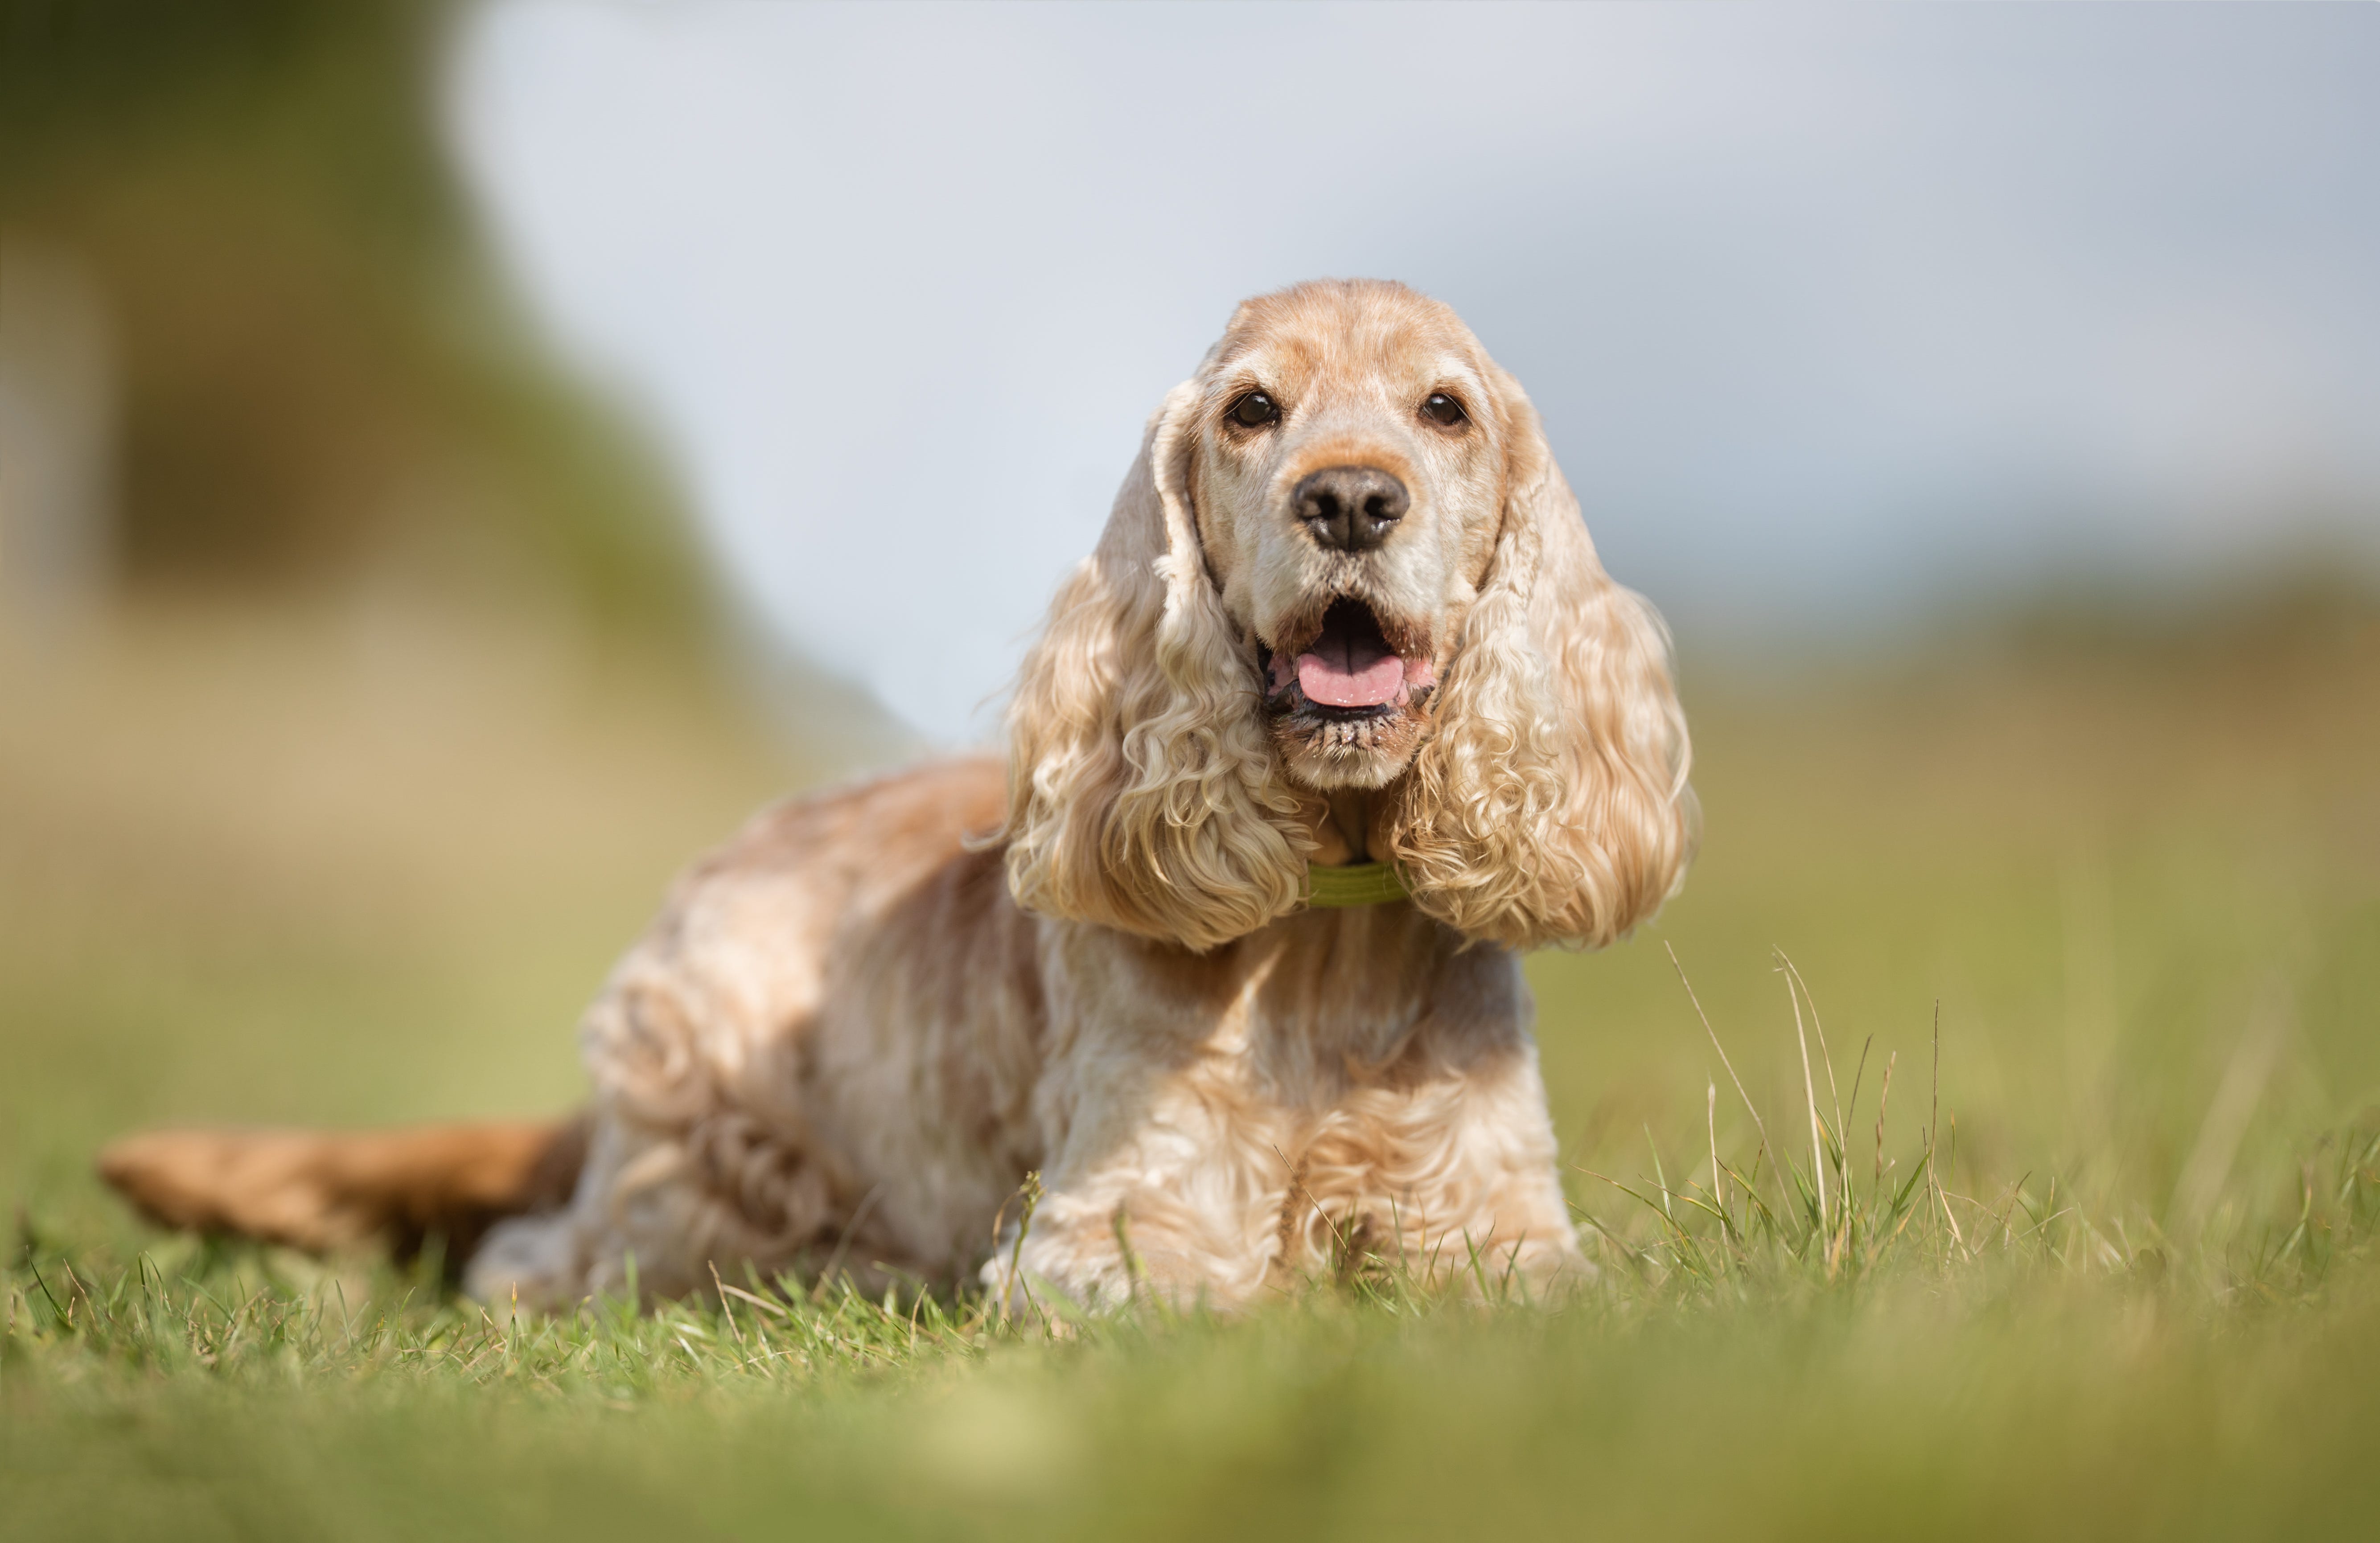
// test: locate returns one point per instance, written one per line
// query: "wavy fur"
(1550, 806)
(1143, 790)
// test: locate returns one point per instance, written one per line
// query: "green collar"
(1333, 889)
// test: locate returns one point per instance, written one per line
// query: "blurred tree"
(314, 365)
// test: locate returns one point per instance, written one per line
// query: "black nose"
(1350, 508)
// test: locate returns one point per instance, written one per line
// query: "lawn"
(2104, 909)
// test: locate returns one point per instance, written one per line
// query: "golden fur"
(855, 1029)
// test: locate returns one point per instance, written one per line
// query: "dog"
(1212, 989)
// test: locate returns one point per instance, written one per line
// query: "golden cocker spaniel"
(1341, 716)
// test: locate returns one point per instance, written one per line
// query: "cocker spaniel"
(1341, 717)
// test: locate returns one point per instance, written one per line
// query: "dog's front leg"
(1166, 1185)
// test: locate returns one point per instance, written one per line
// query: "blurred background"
(457, 460)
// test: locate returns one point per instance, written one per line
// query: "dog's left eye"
(1444, 410)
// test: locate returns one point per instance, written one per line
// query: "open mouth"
(1349, 667)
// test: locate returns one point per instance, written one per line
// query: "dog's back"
(854, 895)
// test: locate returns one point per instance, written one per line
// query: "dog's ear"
(1551, 805)
(1141, 787)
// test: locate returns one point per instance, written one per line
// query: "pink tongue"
(1335, 685)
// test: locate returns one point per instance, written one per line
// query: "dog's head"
(1345, 560)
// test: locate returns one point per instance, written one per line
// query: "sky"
(1835, 314)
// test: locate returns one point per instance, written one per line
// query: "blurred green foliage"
(317, 367)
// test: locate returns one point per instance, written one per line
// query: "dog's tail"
(325, 1190)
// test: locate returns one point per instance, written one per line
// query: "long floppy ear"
(1550, 806)
(1142, 794)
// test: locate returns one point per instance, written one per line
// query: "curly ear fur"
(1142, 793)
(1550, 806)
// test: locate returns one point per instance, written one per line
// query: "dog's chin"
(1328, 749)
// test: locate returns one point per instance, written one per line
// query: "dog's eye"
(1444, 410)
(1255, 411)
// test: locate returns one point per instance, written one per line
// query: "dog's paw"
(530, 1260)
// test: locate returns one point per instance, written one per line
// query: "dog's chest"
(1363, 1004)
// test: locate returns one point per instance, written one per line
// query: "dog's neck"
(1343, 825)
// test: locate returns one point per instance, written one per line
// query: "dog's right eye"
(1255, 410)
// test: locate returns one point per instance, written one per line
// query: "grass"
(2107, 1268)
